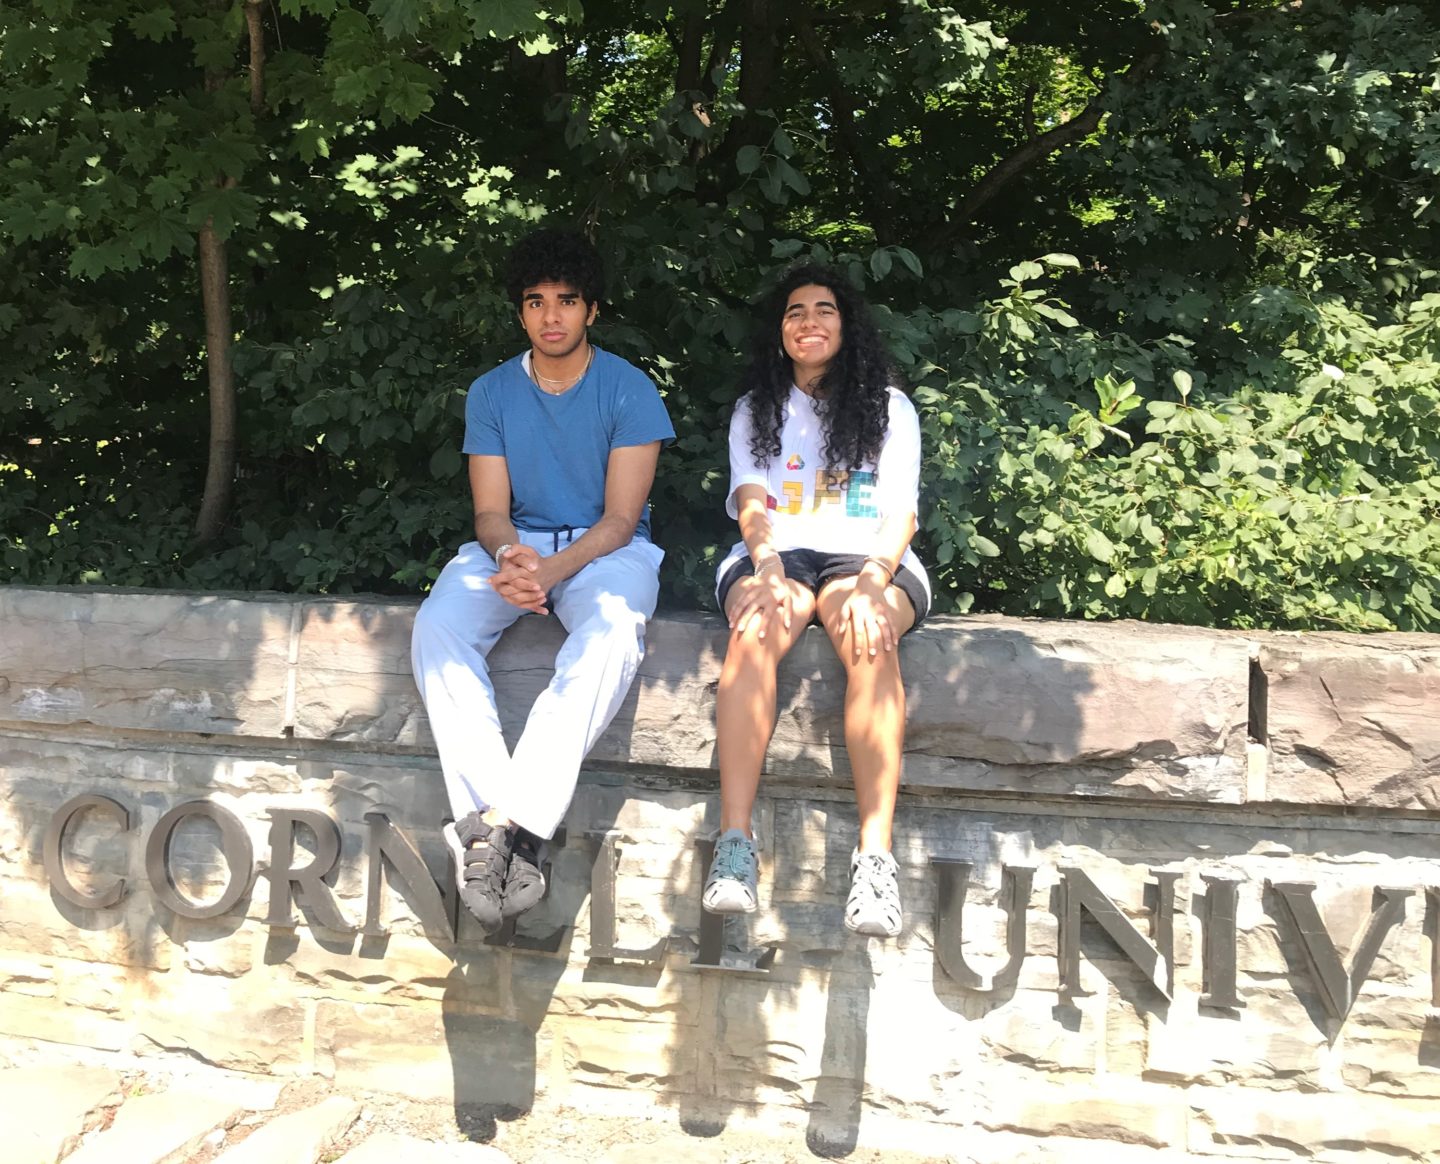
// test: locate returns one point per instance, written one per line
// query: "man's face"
(555, 318)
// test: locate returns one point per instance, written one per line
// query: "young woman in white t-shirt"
(824, 472)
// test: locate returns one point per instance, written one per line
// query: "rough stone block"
(771, 1039)
(352, 673)
(1353, 719)
(1272, 1041)
(45, 1110)
(162, 661)
(50, 1020)
(616, 1053)
(1390, 1045)
(1125, 1112)
(164, 1128)
(455, 1055)
(300, 1136)
(1030, 1029)
(1030, 692)
(1284, 1125)
(94, 985)
(27, 976)
(38, 922)
(214, 947)
(620, 992)
(241, 1025)
(910, 1050)
(401, 965)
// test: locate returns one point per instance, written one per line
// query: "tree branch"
(1034, 150)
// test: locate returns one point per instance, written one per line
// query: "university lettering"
(391, 857)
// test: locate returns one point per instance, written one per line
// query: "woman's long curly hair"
(852, 400)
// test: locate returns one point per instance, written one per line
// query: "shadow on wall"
(991, 710)
(799, 1035)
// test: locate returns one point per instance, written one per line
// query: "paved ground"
(85, 1107)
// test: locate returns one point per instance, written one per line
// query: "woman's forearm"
(891, 541)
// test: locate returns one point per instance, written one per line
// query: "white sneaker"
(874, 904)
(730, 887)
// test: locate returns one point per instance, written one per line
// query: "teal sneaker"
(730, 888)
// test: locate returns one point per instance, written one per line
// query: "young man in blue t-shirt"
(562, 443)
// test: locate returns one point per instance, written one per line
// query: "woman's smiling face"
(811, 332)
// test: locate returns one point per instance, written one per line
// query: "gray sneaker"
(730, 888)
(481, 857)
(874, 904)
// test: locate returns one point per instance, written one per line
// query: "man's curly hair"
(853, 402)
(554, 256)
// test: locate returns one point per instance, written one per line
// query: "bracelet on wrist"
(765, 563)
(884, 565)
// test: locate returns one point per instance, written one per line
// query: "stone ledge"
(1122, 710)
(1354, 719)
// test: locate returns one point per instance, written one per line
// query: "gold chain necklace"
(537, 378)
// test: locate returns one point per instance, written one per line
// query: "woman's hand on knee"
(758, 600)
(864, 617)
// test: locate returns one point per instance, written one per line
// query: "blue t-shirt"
(557, 448)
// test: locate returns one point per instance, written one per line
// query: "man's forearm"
(493, 530)
(607, 535)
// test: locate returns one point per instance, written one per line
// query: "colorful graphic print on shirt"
(852, 489)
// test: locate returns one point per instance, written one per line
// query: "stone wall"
(1102, 794)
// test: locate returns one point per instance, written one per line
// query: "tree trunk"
(215, 296)
(688, 50)
(876, 190)
(759, 28)
(257, 55)
(219, 328)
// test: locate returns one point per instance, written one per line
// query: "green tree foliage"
(1163, 278)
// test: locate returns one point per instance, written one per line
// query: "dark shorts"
(813, 568)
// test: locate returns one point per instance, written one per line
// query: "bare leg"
(874, 712)
(745, 703)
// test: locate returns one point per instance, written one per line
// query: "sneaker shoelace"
(873, 876)
(734, 860)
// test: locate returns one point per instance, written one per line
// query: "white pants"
(604, 607)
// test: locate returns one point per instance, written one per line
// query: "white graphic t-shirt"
(815, 507)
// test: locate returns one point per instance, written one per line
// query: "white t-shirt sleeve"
(743, 467)
(897, 485)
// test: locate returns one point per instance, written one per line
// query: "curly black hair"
(554, 256)
(853, 401)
